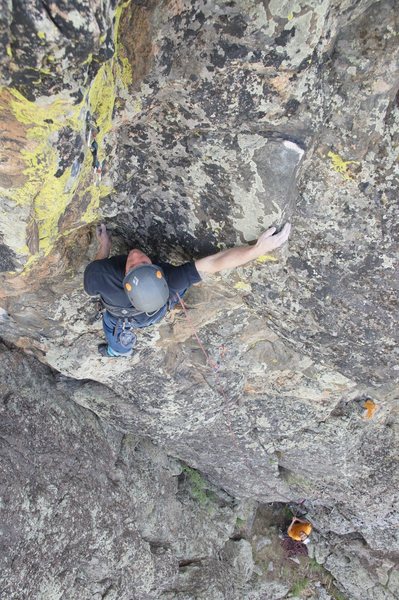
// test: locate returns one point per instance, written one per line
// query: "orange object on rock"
(299, 530)
(370, 408)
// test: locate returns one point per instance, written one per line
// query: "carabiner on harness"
(126, 337)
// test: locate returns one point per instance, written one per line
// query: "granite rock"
(214, 122)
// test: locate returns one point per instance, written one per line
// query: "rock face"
(89, 512)
(214, 122)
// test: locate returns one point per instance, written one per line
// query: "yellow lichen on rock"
(121, 61)
(43, 193)
(97, 192)
(101, 98)
(242, 285)
(103, 90)
(266, 258)
(47, 195)
(41, 115)
(52, 205)
(340, 165)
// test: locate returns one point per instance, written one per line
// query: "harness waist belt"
(117, 311)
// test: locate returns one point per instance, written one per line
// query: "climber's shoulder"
(100, 273)
(180, 277)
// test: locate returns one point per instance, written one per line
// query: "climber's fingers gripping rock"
(102, 233)
(270, 240)
(104, 241)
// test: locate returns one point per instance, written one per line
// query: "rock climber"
(135, 292)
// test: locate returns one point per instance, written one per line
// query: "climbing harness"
(126, 336)
(116, 311)
(97, 313)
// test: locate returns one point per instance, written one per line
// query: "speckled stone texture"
(88, 512)
(215, 121)
(48, 45)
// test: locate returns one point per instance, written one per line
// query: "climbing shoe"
(103, 350)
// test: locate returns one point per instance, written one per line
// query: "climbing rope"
(215, 366)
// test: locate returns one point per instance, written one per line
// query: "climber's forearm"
(103, 252)
(227, 259)
(235, 257)
(104, 242)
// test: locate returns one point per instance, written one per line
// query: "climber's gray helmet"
(146, 288)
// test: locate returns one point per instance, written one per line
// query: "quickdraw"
(96, 165)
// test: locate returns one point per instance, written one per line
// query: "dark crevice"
(190, 561)
(158, 548)
(52, 19)
(7, 397)
(237, 537)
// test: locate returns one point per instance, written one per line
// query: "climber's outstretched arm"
(104, 242)
(235, 257)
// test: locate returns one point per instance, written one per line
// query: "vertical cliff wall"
(212, 123)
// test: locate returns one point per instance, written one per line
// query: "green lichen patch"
(198, 487)
(299, 586)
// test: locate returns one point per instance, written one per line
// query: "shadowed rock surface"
(87, 511)
(213, 122)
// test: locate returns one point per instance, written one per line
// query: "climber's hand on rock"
(241, 255)
(270, 240)
(101, 232)
(104, 241)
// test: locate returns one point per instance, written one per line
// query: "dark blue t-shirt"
(105, 278)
